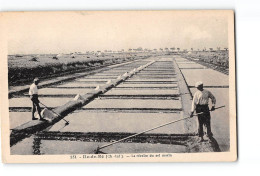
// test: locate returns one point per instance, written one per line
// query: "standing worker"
(200, 104)
(33, 92)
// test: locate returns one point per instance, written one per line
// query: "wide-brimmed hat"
(36, 79)
(199, 83)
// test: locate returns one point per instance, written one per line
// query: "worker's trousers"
(204, 119)
(35, 105)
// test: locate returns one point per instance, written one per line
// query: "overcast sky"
(35, 33)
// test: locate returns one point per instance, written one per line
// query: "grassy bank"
(218, 60)
(22, 69)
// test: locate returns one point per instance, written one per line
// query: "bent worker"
(33, 92)
(200, 104)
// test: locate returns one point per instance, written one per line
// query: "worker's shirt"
(202, 98)
(33, 89)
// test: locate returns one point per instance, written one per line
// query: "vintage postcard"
(118, 86)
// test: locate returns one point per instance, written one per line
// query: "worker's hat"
(36, 79)
(198, 84)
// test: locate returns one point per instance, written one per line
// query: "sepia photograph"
(118, 86)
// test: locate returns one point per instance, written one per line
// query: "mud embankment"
(24, 75)
(218, 60)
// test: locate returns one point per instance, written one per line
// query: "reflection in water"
(36, 146)
(215, 145)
